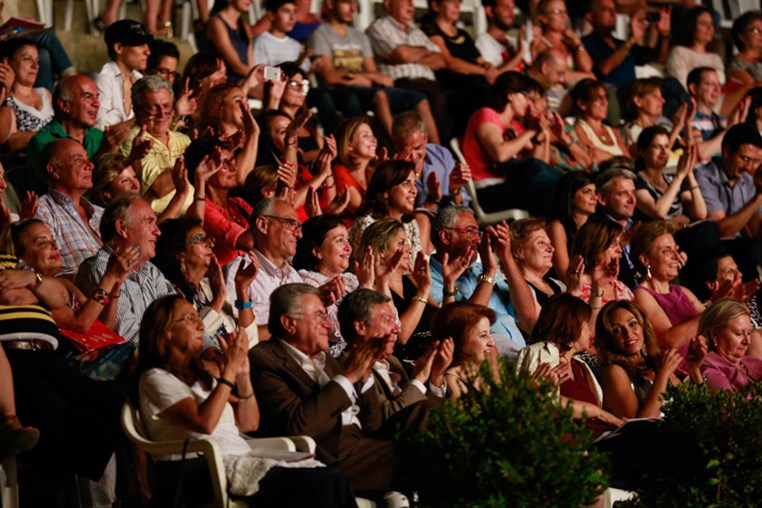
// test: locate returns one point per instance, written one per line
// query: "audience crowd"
(278, 238)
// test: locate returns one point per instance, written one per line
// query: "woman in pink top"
(673, 310)
(727, 366)
(491, 149)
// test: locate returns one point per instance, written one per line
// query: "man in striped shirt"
(409, 57)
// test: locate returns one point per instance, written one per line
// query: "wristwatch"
(485, 278)
(39, 278)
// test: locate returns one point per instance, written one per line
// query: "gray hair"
(265, 206)
(605, 179)
(151, 83)
(406, 124)
(118, 209)
(63, 91)
(358, 306)
(446, 218)
(287, 300)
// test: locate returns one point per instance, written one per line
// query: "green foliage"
(506, 444)
(712, 441)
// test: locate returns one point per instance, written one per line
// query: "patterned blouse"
(28, 118)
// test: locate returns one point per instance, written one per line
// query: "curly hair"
(213, 104)
(521, 230)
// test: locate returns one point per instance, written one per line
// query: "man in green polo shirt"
(76, 112)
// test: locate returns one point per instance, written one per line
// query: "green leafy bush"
(507, 445)
(712, 442)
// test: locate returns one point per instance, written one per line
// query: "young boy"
(274, 46)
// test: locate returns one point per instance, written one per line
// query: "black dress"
(421, 337)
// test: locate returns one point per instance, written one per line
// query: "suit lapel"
(290, 365)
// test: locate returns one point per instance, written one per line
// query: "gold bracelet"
(421, 299)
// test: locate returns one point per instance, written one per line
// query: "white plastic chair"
(483, 218)
(133, 427)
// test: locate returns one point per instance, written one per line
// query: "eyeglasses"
(292, 224)
(190, 318)
(754, 30)
(749, 160)
(199, 238)
(158, 109)
(319, 315)
(472, 231)
(227, 164)
(557, 11)
(300, 86)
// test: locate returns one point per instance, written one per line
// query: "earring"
(648, 271)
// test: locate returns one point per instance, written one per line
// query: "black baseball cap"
(128, 32)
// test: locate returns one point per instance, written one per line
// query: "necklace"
(740, 365)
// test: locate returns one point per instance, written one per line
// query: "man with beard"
(495, 45)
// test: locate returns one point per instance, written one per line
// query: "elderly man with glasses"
(276, 229)
(303, 390)
(455, 274)
(153, 102)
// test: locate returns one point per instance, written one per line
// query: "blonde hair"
(717, 316)
(379, 235)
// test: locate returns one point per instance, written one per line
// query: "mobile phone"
(652, 17)
(272, 73)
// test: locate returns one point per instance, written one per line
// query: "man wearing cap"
(127, 43)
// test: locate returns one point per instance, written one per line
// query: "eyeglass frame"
(468, 231)
(302, 86)
(292, 225)
(200, 238)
